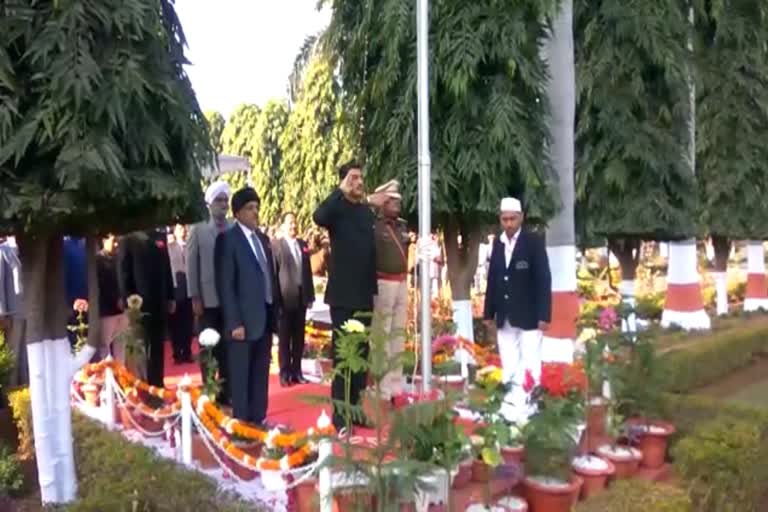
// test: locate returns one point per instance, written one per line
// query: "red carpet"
(286, 405)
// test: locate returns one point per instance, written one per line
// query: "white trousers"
(520, 351)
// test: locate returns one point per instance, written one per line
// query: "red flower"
(160, 244)
(529, 382)
(561, 379)
(80, 305)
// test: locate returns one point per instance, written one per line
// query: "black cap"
(242, 197)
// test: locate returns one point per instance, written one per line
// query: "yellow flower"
(587, 334)
(490, 374)
(353, 326)
(134, 301)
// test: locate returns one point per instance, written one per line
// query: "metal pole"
(425, 187)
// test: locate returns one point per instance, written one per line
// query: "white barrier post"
(325, 491)
(109, 389)
(186, 420)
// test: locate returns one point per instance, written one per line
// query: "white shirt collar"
(509, 241)
(246, 230)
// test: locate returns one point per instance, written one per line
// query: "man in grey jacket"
(201, 278)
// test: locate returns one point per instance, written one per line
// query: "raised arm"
(329, 210)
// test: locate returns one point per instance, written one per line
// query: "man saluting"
(519, 299)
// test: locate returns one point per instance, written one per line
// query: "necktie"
(262, 258)
(297, 254)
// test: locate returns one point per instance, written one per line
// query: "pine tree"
(100, 131)
(486, 114)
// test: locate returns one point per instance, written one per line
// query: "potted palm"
(551, 438)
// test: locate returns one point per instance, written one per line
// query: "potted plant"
(551, 437)
(625, 459)
(317, 351)
(208, 339)
(594, 471)
(506, 504)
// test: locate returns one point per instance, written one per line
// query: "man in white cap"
(201, 283)
(519, 300)
(390, 303)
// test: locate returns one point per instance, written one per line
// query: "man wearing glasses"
(518, 300)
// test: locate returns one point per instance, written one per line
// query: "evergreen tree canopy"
(486, 85)
(315, 142)
(732, 117)
(216, 125)
(238, 139)
(632, 175)
(266, 159)
(99, 126)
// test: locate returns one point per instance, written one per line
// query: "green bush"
(650, 306)
(713, 356)
(725, 461)
(11, 476)
(638, 496)
(7, 363)
(117, 476)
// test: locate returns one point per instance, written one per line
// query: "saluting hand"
(238, 334)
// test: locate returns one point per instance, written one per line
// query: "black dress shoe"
(299, 379)
(285, 381)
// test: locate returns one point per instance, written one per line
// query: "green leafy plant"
(11, 476)
(7, 363)
(21, 408)
(638, 496)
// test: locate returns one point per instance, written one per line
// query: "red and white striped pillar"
(756, 296)
(557, 344)
(684, 306)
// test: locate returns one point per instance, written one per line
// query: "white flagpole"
(424, 189)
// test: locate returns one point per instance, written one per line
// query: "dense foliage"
(266, 159)
(99, 126)
(732, 117)
(216, 125)
(632, 176)
(486, 87)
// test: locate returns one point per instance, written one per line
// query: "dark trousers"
(291, 336)
(154, 337)
(180, 324)
(358, 379)
(212, 319)
(249, 375)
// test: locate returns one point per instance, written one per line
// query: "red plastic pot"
(545, 498)
(595, 481)
(625, 463)
(481, 472)
(513, 454)
(652, 438)
(463, 476)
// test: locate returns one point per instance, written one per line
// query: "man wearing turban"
(201, 281)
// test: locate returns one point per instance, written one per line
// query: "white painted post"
(325, 490)
(186, 420)
(109, 390)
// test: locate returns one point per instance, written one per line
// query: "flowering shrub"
(208, 339)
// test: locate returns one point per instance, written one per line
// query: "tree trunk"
(462, 264)
(50, 364)
(558, 53)
(627, 251)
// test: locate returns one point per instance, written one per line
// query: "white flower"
(284, 464)
(477, 440)
(269, 442)
(353, 326)
(209, 338)
(514, 431)
(323, 422)
(587, 334)
(134, 301)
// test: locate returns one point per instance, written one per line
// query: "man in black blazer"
(518, 299)
(144, 268)
(346, 214)
(249, 298)
(298, 293)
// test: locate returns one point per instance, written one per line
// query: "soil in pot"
(594, 471)
(652, 439)
(551, 495)
(481, 472)
(625, 459)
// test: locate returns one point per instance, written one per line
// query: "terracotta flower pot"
(349, 500)
(464, 475)
(513, 454)
(454, 383)
(595, 478)
(91, 393)
(625, 459)
(596, 417)
(326, 365)
(481, 472)
(306, 496)
(201, 454)
(652, 438)
(543, 497)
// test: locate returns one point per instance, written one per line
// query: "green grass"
(755, 394)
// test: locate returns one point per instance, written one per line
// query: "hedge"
(713, 356)
(725, 463)
(638, 496)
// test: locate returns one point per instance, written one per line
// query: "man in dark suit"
(144, 268)
(347, 215)
(518, 299)
(248, 295)
(298, 293)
